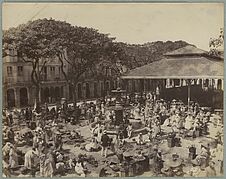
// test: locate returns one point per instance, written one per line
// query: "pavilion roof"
(185, 63)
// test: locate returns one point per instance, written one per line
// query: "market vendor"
(203, 156)
(75, 134)
(47, 163)
(195, 170)
(156, 128)
(158, 162)
(201, 114)
(79, 168)
(217, 156)
(35, 140)
(189, 121)
(210, 170)
(29, 158)
(25, 173)
(177, 122)
(167, 171)
(58, 140)
(197, 123)
(129, 130)
(104, 143)
(174, 162)
(92, 146)
(139, 139)
(13, 157)
(139, 160)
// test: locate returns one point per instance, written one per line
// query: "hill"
(138, 55)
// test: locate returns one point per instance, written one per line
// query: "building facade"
(19, 91)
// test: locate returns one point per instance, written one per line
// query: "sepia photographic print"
(112, 89)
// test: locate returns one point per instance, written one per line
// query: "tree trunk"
(38, 94)
(74, 96)
(76, 114)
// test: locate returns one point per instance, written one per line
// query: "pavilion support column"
(189, 92)
(144, 85)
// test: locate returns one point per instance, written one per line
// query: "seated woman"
(92, 146)
(203, 156)
(195, 169)
(177, 122)
(156, 129)
(75, 134)
(139, 139)
(197, 126)
(79, 168)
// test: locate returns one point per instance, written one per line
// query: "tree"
(34, 44)
(216, 43)
(40, 41)
(90, 51)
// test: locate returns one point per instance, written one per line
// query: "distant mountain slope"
(138, 55)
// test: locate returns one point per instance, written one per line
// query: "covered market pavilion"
(189, 64)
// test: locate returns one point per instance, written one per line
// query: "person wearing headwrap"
(49, 165)
(177, 122)
(189, 121)
(92, 146)
(79, 168)
(13, 157)
(195, 170)
(29, 158)
(140, 140)
(210, 170)
(104, 143)
(129, 130)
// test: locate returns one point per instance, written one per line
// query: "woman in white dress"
(13, 157)
(189, 121)
(79, 168)
(29, 158)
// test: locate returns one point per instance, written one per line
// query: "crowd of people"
(166, 138)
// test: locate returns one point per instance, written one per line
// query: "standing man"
(157, 93)
(104, 143)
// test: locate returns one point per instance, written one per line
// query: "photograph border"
(113, 1)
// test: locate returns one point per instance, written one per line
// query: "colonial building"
(19, 91)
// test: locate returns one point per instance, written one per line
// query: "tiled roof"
(183, 66)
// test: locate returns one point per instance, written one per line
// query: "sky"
(134, 23)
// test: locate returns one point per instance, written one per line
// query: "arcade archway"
(10, 98)
(23, 97)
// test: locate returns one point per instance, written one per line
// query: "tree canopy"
(39, 41)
